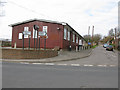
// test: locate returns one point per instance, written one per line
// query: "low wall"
(27, 54)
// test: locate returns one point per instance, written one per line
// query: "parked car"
(105, 45)
(109, 47)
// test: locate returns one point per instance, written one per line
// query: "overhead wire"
(31, 10)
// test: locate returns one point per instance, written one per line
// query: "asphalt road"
(15, 75)
(99, 56)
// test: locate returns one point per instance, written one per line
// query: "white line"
(49, 64)
(85, 65)
(88, 65)
(102, 65)
(75, 64)
(37, 63)
(24, 63)
(99, 65)
(62, 64)
(105, 65)
(112, 65)
(91, 65)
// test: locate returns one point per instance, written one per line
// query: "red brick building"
(60, 34)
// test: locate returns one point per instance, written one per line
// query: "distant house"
(60, 34)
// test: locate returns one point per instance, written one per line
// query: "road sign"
(44, 37)
(42, 33)
(27, 33)
(89, 43)
(36, 27)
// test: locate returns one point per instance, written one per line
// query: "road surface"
(99, 57)
(17, 75)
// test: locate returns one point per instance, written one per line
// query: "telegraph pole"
(92, 35)
(115, 38)
(88, 30)
(89, 34)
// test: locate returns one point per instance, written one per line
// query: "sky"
(79, 14)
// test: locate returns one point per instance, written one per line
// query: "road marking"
(91, 65)
(24, 63)
(102, 65)
(87, 65)
(49, 64)
(62, 64)
(112, 65)
(75, 64)
(37, 63)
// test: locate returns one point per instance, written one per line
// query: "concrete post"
(76, 48)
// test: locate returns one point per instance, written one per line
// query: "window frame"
(20, 36)
(26, 29)
(65, 33)
(76, 39)
(68, 35)
(45, 29)
(73, 37)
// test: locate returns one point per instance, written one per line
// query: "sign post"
(39, 42)
(45, 41)
(23, 41)
(26, 33)
(29, 41)
(45, 44)
(43, 34)
(36, 27)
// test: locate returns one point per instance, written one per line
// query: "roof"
(43, 20)
(75, 31)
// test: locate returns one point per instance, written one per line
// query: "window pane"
(26, 29)
(68, 35)
(65, 32)
(80, 42)
(45, 28)
(76, 39)
(73, 37)
(20, 36)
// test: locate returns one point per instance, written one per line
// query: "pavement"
(62, 56)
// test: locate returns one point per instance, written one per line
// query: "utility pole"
(2, 11)
(88, 30)
(89, 34)
(115, 38)
(92, 35)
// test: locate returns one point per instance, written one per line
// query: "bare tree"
(97, 38)
(87, 38)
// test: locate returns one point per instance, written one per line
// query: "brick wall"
(27, 54)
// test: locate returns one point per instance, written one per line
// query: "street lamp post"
(36, 27)
(34, 37)
(115, 38)
(39, 42)
(29, 41)
(45, 41)
(23, 41)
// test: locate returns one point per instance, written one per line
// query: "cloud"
(78, 13)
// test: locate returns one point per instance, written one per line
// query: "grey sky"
(80, 14)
